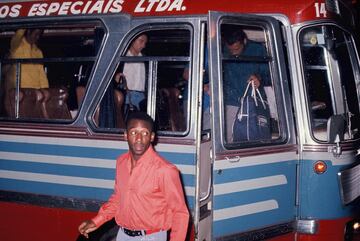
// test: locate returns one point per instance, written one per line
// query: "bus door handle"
(233, 160)
(335, 150)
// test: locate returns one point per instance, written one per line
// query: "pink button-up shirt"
(148, 198)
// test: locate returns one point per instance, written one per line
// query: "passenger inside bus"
(239, 74)
(24, 45)
(129, 85)
(134, 74)
(168, 50)
(59, 60)
(35, 98)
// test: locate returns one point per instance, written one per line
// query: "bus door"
(330, 93)
(202, 215)
(255, 152)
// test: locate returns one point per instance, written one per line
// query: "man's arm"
(107, 210)
(175, 198)
(16, 39)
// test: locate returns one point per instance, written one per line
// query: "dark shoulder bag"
(252, 120)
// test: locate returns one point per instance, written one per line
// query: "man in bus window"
(148, 198)
(24, 45)
(237, 74)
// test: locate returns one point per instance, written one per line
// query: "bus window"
(328, 56)
(45, 69)
(250, 111)
(159, 60)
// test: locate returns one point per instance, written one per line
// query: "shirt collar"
(144, 159)
(128, 53)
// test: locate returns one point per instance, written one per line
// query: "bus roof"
(296, 10)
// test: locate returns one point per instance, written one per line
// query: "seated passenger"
(130, 82)
(134, 74)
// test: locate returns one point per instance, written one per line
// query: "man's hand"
(86, 227)
(118, 77)
(255, 80)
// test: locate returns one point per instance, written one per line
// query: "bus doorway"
(254, 177)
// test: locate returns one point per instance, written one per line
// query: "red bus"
(297, 179)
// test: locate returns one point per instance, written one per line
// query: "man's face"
(236, 48)
(139, 137)
(139, 43)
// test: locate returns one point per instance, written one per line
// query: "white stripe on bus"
(247, 209)
(76, 161)
(249, 184)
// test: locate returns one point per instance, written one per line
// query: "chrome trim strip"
(349, 181)
(307, 226)
(261, 234)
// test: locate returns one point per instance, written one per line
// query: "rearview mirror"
(335, 127)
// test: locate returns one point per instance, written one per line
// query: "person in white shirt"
(134, 73)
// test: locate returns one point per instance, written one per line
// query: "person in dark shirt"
(239, 71)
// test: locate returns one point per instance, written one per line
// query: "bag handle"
(240, 113)
(254, 92)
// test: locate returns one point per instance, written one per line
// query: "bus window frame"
(50, 24)
(139, 27)
(272, 29)
(353, 57)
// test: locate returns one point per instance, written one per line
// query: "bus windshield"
(330, 69)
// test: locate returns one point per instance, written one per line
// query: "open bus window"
(249, 100)
(149, 77)
(329, 70)
(45, 69)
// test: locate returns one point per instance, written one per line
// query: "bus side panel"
(319, 193)
(250, 196)
(28, 222)
(320, 199)
(72, 169)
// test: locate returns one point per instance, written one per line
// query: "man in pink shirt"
(148, 199)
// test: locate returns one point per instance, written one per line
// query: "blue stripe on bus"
(72, 151)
